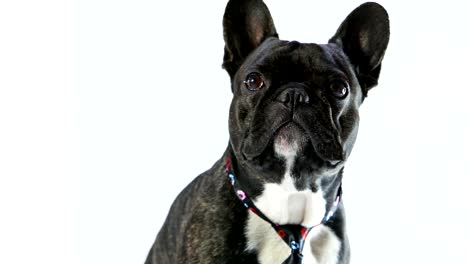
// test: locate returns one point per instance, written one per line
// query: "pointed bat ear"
(246, 23)
(364, 36)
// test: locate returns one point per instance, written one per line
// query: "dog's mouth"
(259, 138)
(293, 137)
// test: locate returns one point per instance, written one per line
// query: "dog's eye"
(254, 81)
(339, 89)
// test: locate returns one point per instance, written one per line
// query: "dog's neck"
(287, 196)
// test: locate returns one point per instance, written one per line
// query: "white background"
(109, 108)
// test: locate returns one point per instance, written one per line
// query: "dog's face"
(295, 97)
(298, 103)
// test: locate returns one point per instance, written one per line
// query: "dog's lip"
(330, 163)
(271, 138)
(250, 154)
(325, 140)
(334, 163)
(332, 160)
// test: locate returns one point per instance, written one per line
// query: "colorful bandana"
(293, 235)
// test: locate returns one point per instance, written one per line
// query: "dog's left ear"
(364, 36)
(246, 23)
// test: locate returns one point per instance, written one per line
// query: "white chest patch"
(284, 204)
(322, 245)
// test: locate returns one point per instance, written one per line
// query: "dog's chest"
(322, 245)
(283, 204)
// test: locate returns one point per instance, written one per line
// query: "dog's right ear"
(246, 23)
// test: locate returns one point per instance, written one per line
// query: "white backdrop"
(109, 108)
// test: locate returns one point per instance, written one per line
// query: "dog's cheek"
(234, 126)
(241, 116)
(238, 122)
(349, 122)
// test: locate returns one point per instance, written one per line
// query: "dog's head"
(297, 103)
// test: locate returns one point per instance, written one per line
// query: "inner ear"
(246, 23)
(364, 37)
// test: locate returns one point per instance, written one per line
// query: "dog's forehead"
(292, 57)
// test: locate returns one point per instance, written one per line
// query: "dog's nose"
(293, 96)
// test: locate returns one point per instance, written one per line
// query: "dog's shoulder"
(199, 225)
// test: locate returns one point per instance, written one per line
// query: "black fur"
(297, 100)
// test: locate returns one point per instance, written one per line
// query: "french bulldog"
(293, 122)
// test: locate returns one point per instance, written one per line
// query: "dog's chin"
(290, 140)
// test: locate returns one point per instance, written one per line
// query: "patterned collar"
(293, 235)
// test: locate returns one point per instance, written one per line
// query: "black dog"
(292, 123)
